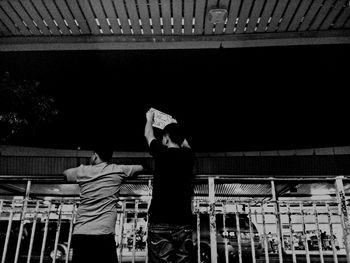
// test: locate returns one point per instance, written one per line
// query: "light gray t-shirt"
(99, 191)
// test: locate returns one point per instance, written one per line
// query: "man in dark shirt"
(170, 214)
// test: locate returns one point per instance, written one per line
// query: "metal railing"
(229, 227)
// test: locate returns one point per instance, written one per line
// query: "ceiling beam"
(88, 42)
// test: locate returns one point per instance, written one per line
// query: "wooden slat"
(288, 15)
(281, 5)
(8, 23)
(111, 15)
(264, 18)
(23, 14)
(253, 19)
(155, 16)
(219, 28)
(134, 18)
(144, 15)
(56, 16)
(28, 6)
(232, 16)
(316, 4)
(89, 16)
(347, 25)
(73, 6)
(166, 14)
(102, 20)
(46, 16)
(14, 17)
(342, 17)
(243, 16)
(322, 14)
(123, 18)
(208, 26)
(188, 16)
(3, 30)
(199, 17)
(61, 4)
(333, 14)
(299, 15)
(177, 16)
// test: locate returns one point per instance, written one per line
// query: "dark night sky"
(228, 99)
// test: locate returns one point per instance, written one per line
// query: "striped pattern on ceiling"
(169, 17)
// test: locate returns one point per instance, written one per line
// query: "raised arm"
(149, 134)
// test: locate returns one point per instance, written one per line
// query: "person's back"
(99, 184)
(170, 215)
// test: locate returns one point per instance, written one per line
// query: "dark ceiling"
(229, 99)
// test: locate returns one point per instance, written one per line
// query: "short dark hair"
(104, 152)
(175, 133)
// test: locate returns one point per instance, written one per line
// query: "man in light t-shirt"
(94, 229)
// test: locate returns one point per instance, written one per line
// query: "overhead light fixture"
(217, 15)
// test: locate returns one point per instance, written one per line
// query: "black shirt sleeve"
(156, 148)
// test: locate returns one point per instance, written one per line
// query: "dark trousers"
(169, 243)
(94, 249)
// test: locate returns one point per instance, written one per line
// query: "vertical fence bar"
(225, 231)
(148, 205)
(267, 260)
(8, 232)
(122, 220)
(198, 234)
(331, 232)
(45, 233)
(278, 221)
(135, 231)
(58, 229)
(291, 232)
(238, 234)
(318, 234)
(307, 252)
(33, 232)
(344, 215)
(212, 220)
(251, 233)
(71, 224)
(23, 214)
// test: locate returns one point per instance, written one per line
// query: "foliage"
(23, 106)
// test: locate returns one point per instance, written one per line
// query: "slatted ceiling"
(337, 8)
(3, 30)
(144, 16)
(112, 16)
(8, 23)
(299, 15)
(24, 17)
(61, 4)
(199, 17)
(57, 17)
(87, 12)
(14, 17)
(265, 17)
(345, 14)
(155, 17)
(243, 16)
(100, 16)
(28, 6)
(277, 15)
(78, 16)
(123, 18)
(134, 17)
(166, 16)
(46, 17)
(232, 16)
(177, 14)
(255, 14)
(188, 16)
(316, 5)
(288, 15)
(321, 14)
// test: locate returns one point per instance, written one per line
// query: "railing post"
(212, 220)
(278, 221)
(344, 215)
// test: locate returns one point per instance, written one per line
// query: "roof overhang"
(118, 24)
